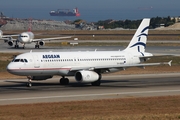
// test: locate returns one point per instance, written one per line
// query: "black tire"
(64, 81)
(29, 84)
(61, 81)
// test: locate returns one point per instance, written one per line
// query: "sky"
(92, 10)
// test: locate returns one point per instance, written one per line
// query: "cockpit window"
(22, 36)
(20, 60)
(25, 60)
(16, 60)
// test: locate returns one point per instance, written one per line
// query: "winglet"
(166, 63)
(169, 63)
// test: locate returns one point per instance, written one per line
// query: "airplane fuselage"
(61, 63)
(26, 37)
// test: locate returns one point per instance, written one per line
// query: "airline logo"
(50, 56)
(139, 38)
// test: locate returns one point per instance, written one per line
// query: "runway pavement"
(14, 91)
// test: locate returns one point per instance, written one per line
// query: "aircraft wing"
(55, 38)
(8, 39)
(120, 66)
(10, 35)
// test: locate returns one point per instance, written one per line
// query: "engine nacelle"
(42, 43)
(40, 77)
(10, 43)
(86, 76)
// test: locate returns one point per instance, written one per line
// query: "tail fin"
(138, 42)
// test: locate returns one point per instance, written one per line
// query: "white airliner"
(85, 66)
(27, 38)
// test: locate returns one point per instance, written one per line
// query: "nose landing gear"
(29, 84)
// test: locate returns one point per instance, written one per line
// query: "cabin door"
(76, 61)
(36, 61)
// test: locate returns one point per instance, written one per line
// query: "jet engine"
(37, 78)
(7, 39)
(10, 43)
(42, 43)
(86, 76)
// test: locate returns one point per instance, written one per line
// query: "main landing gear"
(37, 45)
(64, 81)
(16, 45)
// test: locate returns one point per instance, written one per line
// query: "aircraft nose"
(20, 39)
(9, 68)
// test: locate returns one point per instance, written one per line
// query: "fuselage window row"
(67, 60)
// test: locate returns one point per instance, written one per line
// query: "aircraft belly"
(65, 72)
(25, 72)
(50, 72)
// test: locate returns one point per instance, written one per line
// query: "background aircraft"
(27, 38)
(85, 66)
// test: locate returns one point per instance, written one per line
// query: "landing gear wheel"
(36, 46)
(16, 46)
(29, 84)
(23, 46)
(64, 81)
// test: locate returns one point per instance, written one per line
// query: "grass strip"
(151, 108)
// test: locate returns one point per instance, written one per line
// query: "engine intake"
(42, 43)
(86, 76)
(10, 43)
